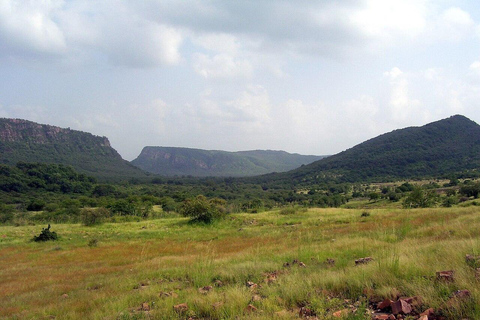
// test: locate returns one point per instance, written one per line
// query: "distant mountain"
(26, 141)
(439, 148)
(169, 161)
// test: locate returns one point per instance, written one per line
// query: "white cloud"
(386, 19)
(29, 27)
(402, 108)
(222, 66)
(454, 24)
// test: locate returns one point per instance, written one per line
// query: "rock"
(363, 260)
(205, 290)
(384, 304)
(424, 317)
(251, 308)
(64, 296)
(383, 316)
(462, 294)
(282, 313)
(168, 294)
(286, 265)
(330, 262)
(144, 307)
(218, 283)
(301, 264)
(271, 277)
(305, 312)
(429, 312)
(256, 297)
(340, 313)
(180, 308)
(251, 285)
(447, 275)
(401, 307)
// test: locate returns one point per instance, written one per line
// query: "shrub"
(46, 235)
(93, 216)
(36, 205)
(201, 209)
(365, 214)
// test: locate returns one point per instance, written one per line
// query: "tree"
(201, 209)
(420, 198)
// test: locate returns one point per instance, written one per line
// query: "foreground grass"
(164, 262)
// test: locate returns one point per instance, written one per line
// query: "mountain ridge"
(171, 161)
(438, 148)
(28, 141)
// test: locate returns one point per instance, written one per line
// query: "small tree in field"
(202, 209)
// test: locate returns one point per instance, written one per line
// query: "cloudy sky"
(305, 76)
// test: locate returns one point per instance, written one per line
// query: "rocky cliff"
(27, 141)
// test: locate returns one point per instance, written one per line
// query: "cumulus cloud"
(29, 28)
(222, 66)
(79, 30)
(402, 108)
(453, 24)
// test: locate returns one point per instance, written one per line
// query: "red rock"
(384, 304)
(340, 313)
(382, 316)
(251, 308)
(363, 260)
(180, 308)
(401, 306)
(429, 312)
(424, 317)
(305, 312)
(144, 307)
(447, 275)
(256, 297)
(205, 290)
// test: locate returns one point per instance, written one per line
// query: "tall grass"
(138, 262)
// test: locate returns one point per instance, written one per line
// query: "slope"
(440, 148)
(170, 161)
(22, 140)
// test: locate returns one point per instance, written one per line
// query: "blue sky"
(313, 77)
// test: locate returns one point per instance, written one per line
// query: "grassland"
(109, 271)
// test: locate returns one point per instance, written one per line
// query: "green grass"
(134, 262)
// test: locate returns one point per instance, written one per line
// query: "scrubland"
(236, 268)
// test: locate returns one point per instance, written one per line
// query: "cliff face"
(27, 141)
(18, 130)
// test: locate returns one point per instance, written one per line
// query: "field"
(236, 268)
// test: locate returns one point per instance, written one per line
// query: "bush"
(201, 209)
(93, 216)
(46, 235)
(36, 205)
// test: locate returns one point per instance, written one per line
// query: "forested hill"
(26, 141)
(440, 148)
(169, 161)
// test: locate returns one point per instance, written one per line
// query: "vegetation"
(46, 235)
(22, 140)
(168, 161)
(141, 270)
(442, 148)
(200, 209)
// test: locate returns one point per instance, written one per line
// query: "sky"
(304, 76)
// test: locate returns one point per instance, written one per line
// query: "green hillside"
(440, 148)
(168, 161)
(22, 140)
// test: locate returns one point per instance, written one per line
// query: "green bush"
(201, 209)
(46, 235)
(93, 216)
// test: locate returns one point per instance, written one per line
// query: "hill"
(26, 141)
(169, 161)
(440, 148)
